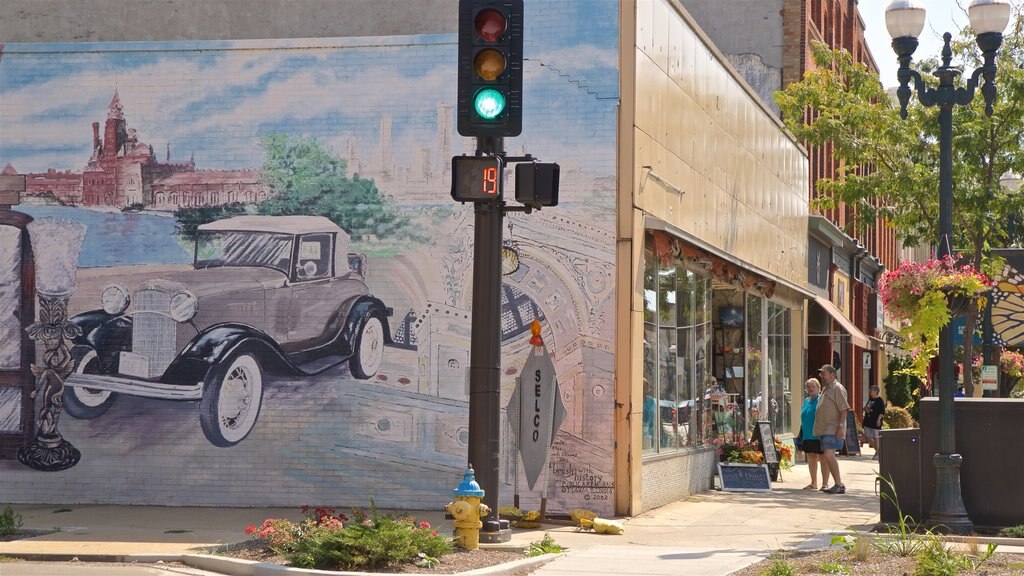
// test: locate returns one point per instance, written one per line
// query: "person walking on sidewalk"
(873, 412)
(830, 424)
(809, 443)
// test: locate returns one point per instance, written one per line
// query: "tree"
(304, 178)
(889, 166)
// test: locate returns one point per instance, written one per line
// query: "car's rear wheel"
(369, 349)
(86, 403)
(232, 396)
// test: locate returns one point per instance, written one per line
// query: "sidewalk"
(713, 533)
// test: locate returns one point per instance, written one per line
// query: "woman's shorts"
(871, 432)
(830, 442)
(812, 446)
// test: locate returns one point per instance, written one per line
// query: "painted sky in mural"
(49, 103)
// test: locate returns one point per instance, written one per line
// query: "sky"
(943, 16)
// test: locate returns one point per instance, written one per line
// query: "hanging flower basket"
(961, 305)
(925, 296)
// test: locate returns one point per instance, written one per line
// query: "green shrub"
(545, 546)
(896, 417)
(936, 559)
(10, 522)
(779, 566)
(901, 388)
(900, 540)
(833, 568)
(1013, 531)
(375, 540)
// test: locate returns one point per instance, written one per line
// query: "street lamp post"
(905, 21)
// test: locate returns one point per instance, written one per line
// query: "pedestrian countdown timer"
(477, 178)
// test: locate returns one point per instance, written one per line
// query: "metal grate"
(153, 332)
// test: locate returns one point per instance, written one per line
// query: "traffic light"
(490, 68)
(477, 178)
(537, 184)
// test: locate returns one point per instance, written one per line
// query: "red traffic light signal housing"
(537, 184)
(490, 90)
(477, 178)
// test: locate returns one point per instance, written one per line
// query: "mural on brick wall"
(274, 289)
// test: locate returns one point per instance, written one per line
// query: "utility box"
(900, 462)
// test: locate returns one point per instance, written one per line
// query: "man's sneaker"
(836, 489)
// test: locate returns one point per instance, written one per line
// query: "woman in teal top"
(810, 443)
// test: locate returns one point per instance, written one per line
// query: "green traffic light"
(489, 103)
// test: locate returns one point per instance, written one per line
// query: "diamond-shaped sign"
(535, 412)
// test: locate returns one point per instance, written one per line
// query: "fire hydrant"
(468, 510)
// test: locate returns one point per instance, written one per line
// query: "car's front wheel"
(86, 403)
(232, 396)
(369, 349)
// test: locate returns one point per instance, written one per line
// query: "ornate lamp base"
(49, 454)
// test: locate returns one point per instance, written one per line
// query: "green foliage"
(10, 522)
(900, 387)
(547, 545)
(853, 113)
(833, 568)
(189, 218)
(845, 540)
(922, 332)
(896, 417)
(779, 566)
(1013, 531)
(936, 559)
(900, 540)
(841, 103)
(375, 540)
(307, 179)
(426, 561)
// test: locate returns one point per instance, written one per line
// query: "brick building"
(123, 171)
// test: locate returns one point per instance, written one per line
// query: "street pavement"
(710, 534)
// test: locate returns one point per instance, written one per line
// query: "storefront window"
(676, 347)
(780, 370)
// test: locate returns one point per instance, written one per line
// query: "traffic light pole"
(485, 355)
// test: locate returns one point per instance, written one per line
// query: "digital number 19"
(490, 182)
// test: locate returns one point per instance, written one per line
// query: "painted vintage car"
(267, 294)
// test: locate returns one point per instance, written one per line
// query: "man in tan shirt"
(830, 424)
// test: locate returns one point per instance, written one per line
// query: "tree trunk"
(968, 359)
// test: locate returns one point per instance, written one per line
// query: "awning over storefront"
(856, 336)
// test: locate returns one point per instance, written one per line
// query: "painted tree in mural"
(854, 114)
(304, 178)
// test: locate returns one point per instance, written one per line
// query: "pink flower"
(424, 524)
(250, 529)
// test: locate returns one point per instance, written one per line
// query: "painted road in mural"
(315, 346)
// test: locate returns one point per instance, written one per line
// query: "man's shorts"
(871, 432)
(830, 442)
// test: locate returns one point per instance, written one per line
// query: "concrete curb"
(241, 567)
